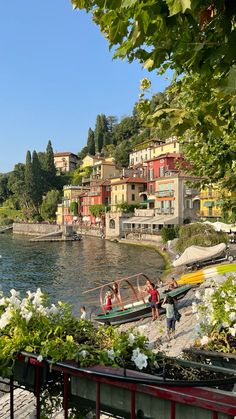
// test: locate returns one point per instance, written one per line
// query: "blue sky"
(56, 75)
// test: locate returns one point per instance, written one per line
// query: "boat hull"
(203, 274)
(139, 311)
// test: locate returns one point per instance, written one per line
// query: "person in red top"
(155, 299)
(108, 301)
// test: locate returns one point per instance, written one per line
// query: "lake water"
(65, 269)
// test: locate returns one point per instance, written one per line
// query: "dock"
(6, 228)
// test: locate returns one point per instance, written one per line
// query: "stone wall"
(145, 237)
(35, 229)
(114, 224)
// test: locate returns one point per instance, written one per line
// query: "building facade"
(65, 161)
(127, 191)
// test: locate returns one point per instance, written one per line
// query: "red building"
(99, 194)
(158, 166)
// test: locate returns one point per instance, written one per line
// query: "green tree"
(4, 190)
(121, 153)
(101, 133)
(50, 169)
(29, 181)
(198, 234)
(91, 142)
(16, 184)
(37, 191)
(197, 40)
(49, 205)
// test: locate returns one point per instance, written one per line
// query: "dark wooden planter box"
(24, 373)
(219, 359)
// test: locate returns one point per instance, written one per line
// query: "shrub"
(198, 234)
(168, 234)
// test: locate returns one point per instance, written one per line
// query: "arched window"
(112, 223)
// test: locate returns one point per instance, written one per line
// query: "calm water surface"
(65, 269)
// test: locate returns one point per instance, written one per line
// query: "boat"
(195, 257)
(130, 301)
(211, 272)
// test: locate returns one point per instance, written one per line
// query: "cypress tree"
(37, 180)
(50, 168)
(29, 183)
(91, 142)
(98, 135)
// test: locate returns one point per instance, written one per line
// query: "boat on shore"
(210, 272)
(130, 301)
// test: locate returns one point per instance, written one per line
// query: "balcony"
(164, 211)
(93, 193)
(164, 194)
(86, 180)
(191, 192)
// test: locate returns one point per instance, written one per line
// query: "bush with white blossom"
(217, 315)
(51, 331)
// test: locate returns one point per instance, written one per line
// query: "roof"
(166, 155)
(65, 153)
(152, 220)
(129, 180)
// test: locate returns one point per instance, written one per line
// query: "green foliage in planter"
(198, 234)
(127, 208)
(74, 208)
(98, 209)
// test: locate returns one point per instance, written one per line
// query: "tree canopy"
(196, 39)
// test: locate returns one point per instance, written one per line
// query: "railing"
(162, 194)
(135, 395)
(164, 211)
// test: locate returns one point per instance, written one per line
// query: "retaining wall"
(35, 229)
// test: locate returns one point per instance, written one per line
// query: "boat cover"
(198, 253)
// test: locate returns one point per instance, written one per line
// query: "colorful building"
(70, 208)
(143, 152)
(127, 191)
(88, 161)
(171, 145)
(211, 201)
(99, 193)
(65, 161)
(158, 166)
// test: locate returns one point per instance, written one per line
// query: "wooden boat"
(203, 274)
(130, 301)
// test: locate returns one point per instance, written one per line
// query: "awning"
(162, 220)
(208, 204)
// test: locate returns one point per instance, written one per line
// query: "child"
(83, 313)
(169, 305)
(108, 301)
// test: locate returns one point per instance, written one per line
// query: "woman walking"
(169, 305)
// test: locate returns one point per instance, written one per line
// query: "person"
(149, 284)
(169, 305)
(108, 301)
(83, 313)
(172, 284)
(155, 299)
(159, 283)
(115, 288)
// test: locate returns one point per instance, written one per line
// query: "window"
(115, 188)
(150, 174)
(150, 188)
(123, 198)
(133, 197)
(132, 162)
(161, 171)
(115, 199)
(123, 187)
(132, 186)
(112, 223)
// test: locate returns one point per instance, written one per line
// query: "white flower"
(139, 359)
(227, 307)
(222, 294)
(30, 295)
(197, 295)
(2, 301)
(131, 339)
(232, 316)
(111, 354)
(37, 300)
(6, 318)
(40, 358)
(84, 353)
(204, 340)
(53, 309)
(232, 331)
(26, 314)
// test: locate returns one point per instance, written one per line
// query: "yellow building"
(127, 191)
(211, 201)
(70, 194)
(105, 169)
(89, 161)
(171, 145)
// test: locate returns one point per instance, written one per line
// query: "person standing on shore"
(83, 313)
(169, 305)
(154, 301)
